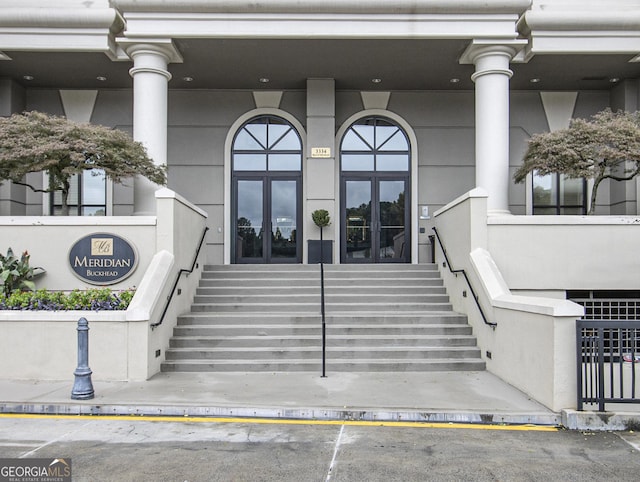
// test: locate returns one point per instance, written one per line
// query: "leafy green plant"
(34, 142)
(95, 299)
(16, 273)
(321, 218)
(607, 146)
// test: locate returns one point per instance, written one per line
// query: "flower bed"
(92, 299)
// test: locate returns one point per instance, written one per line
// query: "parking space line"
(335, 454)
(285, 421)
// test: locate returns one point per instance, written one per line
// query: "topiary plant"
(321, 218)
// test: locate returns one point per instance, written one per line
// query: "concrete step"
(354, 318)
(238, 341)
(293, 297)
(268, 365)
(362, 289)
(307, 352)
(315, 329)
(284, 307)
(385, 317)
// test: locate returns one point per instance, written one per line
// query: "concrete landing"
(469, 397)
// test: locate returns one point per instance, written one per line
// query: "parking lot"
(201, 449)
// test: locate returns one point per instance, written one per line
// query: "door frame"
(375, 177)
(267, 177)
(413, 171)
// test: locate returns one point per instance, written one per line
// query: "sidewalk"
(471, 397)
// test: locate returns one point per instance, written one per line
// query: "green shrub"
(94, 299)
(16, 274)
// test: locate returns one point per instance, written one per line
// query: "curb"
(600, 421)
(346, 414)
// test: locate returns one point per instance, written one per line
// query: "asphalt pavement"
(135, 448)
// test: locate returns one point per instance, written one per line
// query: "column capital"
(480, 48)
(163, 47)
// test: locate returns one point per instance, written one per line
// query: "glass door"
(249, 220)
(284, 221)
(391, 224)
(267, 220)
(374, 220)
(357, 226)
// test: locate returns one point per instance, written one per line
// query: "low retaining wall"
(123, 345)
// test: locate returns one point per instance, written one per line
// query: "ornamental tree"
(34, 142)
(607, 146)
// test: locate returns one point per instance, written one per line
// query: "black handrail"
(175, 285)
(464, 273)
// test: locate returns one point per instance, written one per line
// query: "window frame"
(556, 205)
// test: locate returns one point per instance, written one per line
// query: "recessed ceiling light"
(101, 78)
(376, 80)
(187, 79)
(614, 80)
(535, 80)
(27, 77)
(454, 80)
(264, 80)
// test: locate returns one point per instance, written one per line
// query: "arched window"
(267, 192)
(267, 143)
(375, 144)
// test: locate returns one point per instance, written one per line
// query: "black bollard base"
(82, 386)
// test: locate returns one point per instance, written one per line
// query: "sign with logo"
(102, 259)
(35, 470)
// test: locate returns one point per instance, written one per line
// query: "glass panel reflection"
(396, 142)
(283, 219)
(250, 162)
(357, 162)
(571, 191)
(246, 142)
(544, 189)
(392, 162)
(358, 219)
(353, 142)
(391, 206)
(94, 187)
(249, 233)
(285, 162)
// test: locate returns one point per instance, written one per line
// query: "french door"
(267, 219)
(375, 219)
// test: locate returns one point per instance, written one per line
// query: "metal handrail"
(175, 285)
(464, 273)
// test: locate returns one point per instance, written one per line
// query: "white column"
(150, 88)
(492, 122)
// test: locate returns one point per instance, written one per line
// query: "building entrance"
(267, 193)
(375, 193)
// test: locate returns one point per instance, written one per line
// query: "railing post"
(324, 326)
(82, 386)
(579, 365)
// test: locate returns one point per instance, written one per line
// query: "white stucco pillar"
(492, 120)
(150, 89)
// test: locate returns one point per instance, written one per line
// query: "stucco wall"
(48, 240)
(566, 252)
(199, 122)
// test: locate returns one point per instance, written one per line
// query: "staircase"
(267, 318)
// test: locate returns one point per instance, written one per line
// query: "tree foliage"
(34, 142)
(607, 146)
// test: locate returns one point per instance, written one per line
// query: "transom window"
(267, 143)
(375, 144)
(87, 195)
(557, 194)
